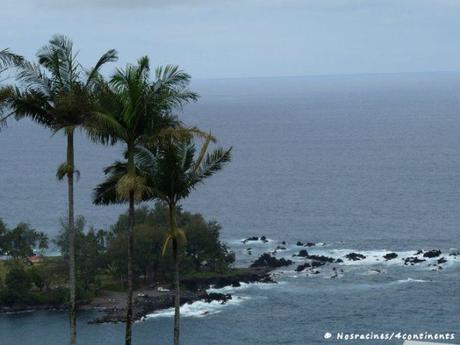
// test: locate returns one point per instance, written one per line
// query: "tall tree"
(176, 170)
(136, 109)
(57, 92)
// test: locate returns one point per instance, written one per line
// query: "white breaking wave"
(410, 280)
(243, 286)
(203, 308)
(376, 257)
(198, 308)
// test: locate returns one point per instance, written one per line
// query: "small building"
(34, 259)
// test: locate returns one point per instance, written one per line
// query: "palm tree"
(58, 93)
(136, 110)
(176, 170)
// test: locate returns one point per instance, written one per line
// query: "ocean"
(364, 163)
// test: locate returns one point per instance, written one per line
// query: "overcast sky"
(248, 38)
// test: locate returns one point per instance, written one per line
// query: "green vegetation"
(21, 241)
(101, 259)
(138, 109)
(28, 286)
(203, 251)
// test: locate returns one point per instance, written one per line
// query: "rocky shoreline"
(195, 288)
(149, 301)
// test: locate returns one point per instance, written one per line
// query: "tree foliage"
(22, 241)
(89, 254)
(202, 251)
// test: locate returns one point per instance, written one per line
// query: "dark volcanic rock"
(283, 243)
(310, 244)
(299, 244)
(339, 261)
(147, 304)
(194, 289)
(266, 260)
(412, 260)
(390, 256)
(248, 275)
(419, 252)
(442, 260)
(213, 296)
(251, 239)
(317, 263)
(268, 279)
(302, 267)
(321, 258)
(355, 256)
(303, 253)
(432, 253)
(255, 238)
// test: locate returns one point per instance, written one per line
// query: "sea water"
(367, 163)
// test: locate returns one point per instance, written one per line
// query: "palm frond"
(32, 104)
(166, 243)
(109, 56)
(32, 77)
(8, 59)
(178, 134)
(213, 162)
(104, 128)
(106, 192)
(60, 60)
(202, 154)
(6, 93)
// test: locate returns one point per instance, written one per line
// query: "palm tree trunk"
(172, 217)
(129, 304)
(72, 271)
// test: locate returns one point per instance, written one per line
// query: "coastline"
(149, 300)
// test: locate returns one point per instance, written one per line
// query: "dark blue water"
(369, 163)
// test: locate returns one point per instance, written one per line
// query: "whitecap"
(411, 280)
(198, 308)
(243, 286)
